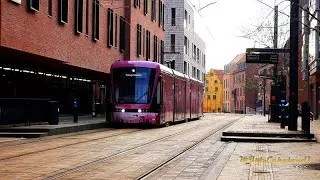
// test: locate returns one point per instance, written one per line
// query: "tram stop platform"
(66, 125)
(256, 128)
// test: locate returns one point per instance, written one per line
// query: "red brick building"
(241, 91)
(64, 49)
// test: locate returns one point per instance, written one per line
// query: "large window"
(87, 17)
(173, 42)
(155, 48)
(185, 19)
(153, 10)
(163, 14)
(138, 86)
(185, 45)
(95, 20)
(160, 13)
(34, 5)
(110, 27)
(145, 7)
(79, 16)
(162, 52)
(139, 39)
(50, 7)
(173, 16)
(122, 34)
(137, 3)
(63, 11)
(148, 45)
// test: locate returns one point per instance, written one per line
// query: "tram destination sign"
(263, 58)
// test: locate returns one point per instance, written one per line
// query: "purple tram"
(150, 93)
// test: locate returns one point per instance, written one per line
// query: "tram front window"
(133, 85)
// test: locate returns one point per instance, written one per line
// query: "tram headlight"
(139, 111)
(123, 110)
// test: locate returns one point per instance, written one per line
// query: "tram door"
(176, 102)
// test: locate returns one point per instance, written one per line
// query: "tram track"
(67, 145)
(164, 163)
(101, 160)
(81, 142)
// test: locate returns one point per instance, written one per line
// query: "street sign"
(263, 58)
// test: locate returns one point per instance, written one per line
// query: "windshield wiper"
(142, 96)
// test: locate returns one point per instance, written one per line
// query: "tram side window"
(159, 92)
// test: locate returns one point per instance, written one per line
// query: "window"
(214, 97)
(160, 13)
(50, 7)
(207, 89)
(122, 34)
(163, 7)
(116, 31)
(155, 48)
(161, 51)
(95, 16)
(173, 64)
(215, 89)
(148, 45)
(79, 16)
(185, 67)
(34, 5)
(209, 97)
(185, 18)
(215, 81)
(207, 81)
(143, 42)
(145, 7)
(139, 35)
(137, 3)
(198, 55)
(173, 42)
(63, 11)
(137, 89)
(194, 52)
(173, 16)
(188, 45)
(198, 74)
(153, 10)
(185, 45)
(110, 27)
(87, 17)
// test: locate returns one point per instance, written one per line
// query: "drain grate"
(315, 166)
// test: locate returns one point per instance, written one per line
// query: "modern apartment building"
(184, 50)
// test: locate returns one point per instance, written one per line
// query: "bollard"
(75, 110)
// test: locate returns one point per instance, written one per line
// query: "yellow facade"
(213, 96)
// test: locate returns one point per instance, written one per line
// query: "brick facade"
(38, 42)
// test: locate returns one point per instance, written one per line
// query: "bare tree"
(262, 32)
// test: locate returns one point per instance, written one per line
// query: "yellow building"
(213, 95)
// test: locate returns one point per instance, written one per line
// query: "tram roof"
(151, 65)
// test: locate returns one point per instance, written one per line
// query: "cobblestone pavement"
(113, 154)
(130, 153)
(214, 159)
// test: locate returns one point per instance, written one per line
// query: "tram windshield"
(133, 85)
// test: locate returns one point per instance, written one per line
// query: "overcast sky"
(223, 22)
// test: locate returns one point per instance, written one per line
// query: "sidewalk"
(256, 128)
(66, 125)
(286, 160)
